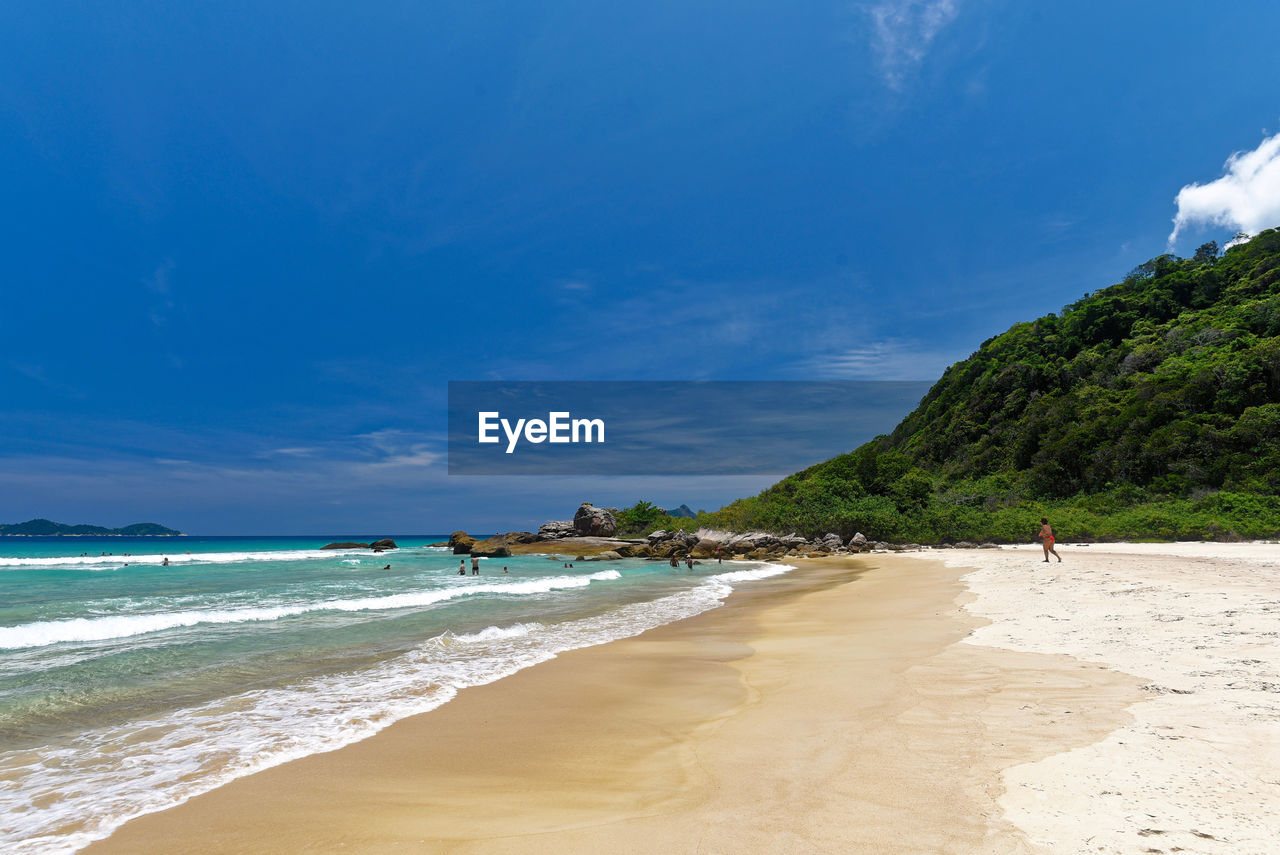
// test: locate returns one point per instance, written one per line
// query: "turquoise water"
(127, 686)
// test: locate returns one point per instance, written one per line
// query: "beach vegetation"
(1148, 409)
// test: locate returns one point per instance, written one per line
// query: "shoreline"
(829, 709)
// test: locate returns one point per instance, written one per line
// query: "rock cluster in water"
(376, 546)
(594, 530)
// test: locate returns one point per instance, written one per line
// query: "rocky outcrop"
(376, 546)
(556, 530)
(707, 548)
(461, 542)
(591, 521)
(608, 555)
(499, 546)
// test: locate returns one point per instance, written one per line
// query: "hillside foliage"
(1148, 409)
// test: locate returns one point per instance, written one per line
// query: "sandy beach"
(1127, 700)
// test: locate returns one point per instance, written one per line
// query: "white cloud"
(904, 30)
(889, 359)
(1246, 197)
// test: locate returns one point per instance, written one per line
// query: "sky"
(245, 246)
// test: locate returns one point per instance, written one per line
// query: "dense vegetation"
(44, 527)
(1149, 409)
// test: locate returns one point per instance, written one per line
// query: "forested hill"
(42, 527)
(1150, 408)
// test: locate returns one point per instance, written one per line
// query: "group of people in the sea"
(475, 566)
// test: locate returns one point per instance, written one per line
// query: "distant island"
(45, 528)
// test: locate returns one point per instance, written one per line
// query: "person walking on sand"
(1047, 540)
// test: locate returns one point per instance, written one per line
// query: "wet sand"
(836, 709)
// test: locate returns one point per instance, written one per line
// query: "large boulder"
(607, 555)
(345, 545)
(461, 542)
(385, 543)
(686, 539)
(556, 530)
(705, 548)
(858, 539)
(635, 550)
(499, 546)
(591, 521)
(667, 548)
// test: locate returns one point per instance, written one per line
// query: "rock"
(635, 550)
(386, 543)
(858, 539)
(965, 544)
(685, 538)
(706, 548)
(657, 537)
(440, 544)
(608, 555)
(499, 546)
(461, 542)
(591, 521)
(751, 540)
(556, 530)
(345, 545)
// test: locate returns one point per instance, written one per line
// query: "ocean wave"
(765, 571)
(489, 633)
(177, 558)
(71, 796)
(44, 633)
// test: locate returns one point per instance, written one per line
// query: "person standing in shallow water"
(1047, 540)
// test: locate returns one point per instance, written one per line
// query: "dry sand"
(1198, 768)
(856, 705)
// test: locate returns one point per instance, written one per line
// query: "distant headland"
(46, 528)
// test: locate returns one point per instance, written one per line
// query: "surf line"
(558, 427)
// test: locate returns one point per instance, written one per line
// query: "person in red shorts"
(1047, 540)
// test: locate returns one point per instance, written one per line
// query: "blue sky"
(245, 246)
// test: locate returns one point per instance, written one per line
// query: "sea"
(128, 686)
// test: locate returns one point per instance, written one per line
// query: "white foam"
(68, 797)
(764, 572)
(44, 633)
(158, 558)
